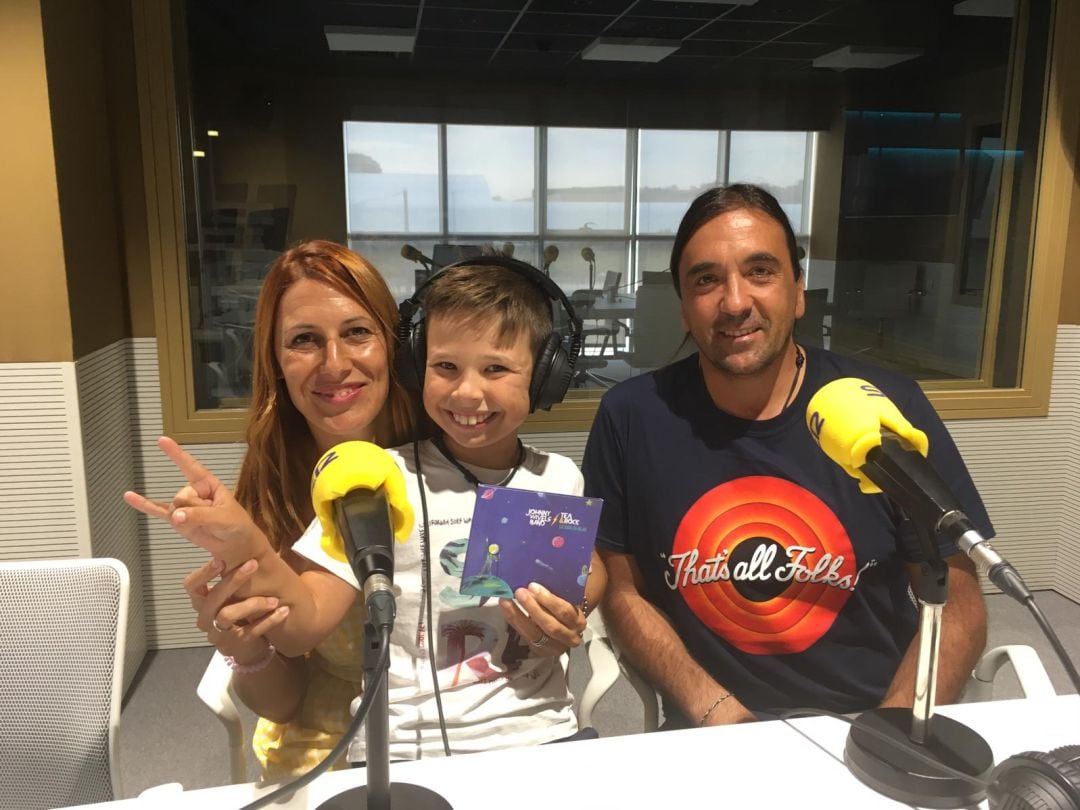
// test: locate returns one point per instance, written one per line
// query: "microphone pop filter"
(846, 418)
(357, 465)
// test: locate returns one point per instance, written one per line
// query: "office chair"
(1034, 682)
(63, 623)
(215, 690)
(608, 663)
(658, 336)
(810, 329)
(236, 353)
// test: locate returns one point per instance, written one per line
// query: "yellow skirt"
(334, 678)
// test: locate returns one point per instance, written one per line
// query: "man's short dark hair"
(716, 201)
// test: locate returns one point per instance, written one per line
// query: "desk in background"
(764, 765)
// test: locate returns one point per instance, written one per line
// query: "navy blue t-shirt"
(785, 582)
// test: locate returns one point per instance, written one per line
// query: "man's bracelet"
(709, 711)
(258, 666)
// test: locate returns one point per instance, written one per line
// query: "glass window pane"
(571, 270)
(674, 167)
(491, 179)
(586, 180)
(653, 256)
(402, 275)
(775, 160)
(392, 177)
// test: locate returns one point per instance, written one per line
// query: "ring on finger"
(540, 642)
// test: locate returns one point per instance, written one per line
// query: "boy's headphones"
(553, 366)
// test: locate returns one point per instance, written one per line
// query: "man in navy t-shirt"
(747, 572)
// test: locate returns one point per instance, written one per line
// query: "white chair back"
(63, 625)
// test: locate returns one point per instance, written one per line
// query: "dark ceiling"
(546, 37)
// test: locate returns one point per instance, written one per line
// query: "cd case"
(519, 536)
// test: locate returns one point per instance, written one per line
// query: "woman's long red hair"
(274, 482)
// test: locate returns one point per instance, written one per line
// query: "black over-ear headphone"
(1037, 781)
(553, 366)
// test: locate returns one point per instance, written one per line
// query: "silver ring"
(218, 627)
(540, 642)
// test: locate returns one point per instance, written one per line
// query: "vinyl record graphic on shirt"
(764, 563)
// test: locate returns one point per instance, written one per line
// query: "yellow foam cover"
(357, 465)
(846, 418)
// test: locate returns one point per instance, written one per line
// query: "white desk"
(758, 765)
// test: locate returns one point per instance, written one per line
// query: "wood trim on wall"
(1055, 197)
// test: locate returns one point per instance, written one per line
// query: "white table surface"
(756, 765)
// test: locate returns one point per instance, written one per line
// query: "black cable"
(426, 562)
(1055, 642)
(370, 690)
(913, 749)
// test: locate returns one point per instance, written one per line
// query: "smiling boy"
(501, 673)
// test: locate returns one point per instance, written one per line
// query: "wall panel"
(43, 510)
(104, 379)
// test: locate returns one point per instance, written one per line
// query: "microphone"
(587, 254)
(414, 255)
(360, 500)
(861, 429)
(551, 253)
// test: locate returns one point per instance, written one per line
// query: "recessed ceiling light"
(198, 153)
(213, 133)
(629, 49)
(984, 8)
(860, 56)
(371, 40)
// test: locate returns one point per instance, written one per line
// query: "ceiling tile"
(555, 43)
(696, 11)
(608, 7)
(453, 19)
(784, 10)
(582, 24)
(746, 31)
(373, 16)
(652, 27)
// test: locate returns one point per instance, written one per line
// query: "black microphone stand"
(364, 521)
(876, 749)
(380, 793)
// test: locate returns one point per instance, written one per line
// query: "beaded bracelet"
(258, 666)
(719, 700)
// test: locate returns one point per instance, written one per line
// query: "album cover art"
(519, 536)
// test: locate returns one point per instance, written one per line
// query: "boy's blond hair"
(480, 296)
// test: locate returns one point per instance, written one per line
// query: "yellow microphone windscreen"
(357, 465)
(846, 417)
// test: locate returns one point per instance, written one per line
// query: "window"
(491, 179)
(608, 205)
(932, 193)
(393, 177)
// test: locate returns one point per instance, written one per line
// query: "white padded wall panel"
(1067, 367)
(168, 558)
(105, 380)
(43, 511)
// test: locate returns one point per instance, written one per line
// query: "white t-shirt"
(494, 694)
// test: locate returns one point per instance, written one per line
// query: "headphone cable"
(425, 548)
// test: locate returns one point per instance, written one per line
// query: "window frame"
(163, 149)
